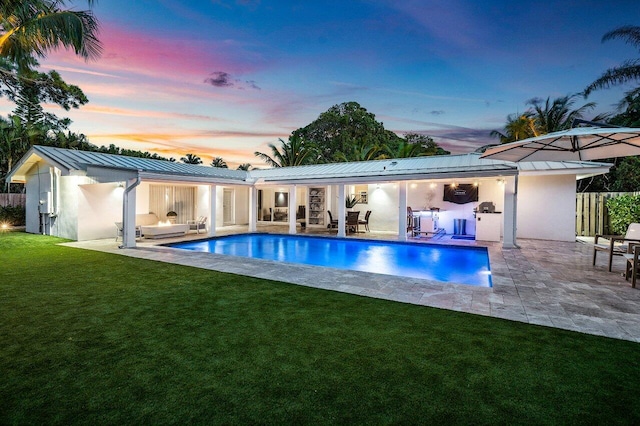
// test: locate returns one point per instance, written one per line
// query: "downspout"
(125, 195)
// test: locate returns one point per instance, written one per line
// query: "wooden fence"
(12, 200)
(592, 215)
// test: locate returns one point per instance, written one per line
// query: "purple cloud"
(224, 79)
(219, 79)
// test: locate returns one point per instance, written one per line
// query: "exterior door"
(228, 208)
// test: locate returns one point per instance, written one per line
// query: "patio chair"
(198, 224)
(633, 265)
(410, 220)
(332, 223)
(365, 221)
(119, 232)
(352, 221)
(617, 245)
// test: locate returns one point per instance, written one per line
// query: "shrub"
(13, 215)
(623, 210)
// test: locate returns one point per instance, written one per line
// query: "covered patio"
(80, 195)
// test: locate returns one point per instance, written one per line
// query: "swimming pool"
(455, 264)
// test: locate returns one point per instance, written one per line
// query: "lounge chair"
(332, 223)
(119, 232)
(617, 245)
(365, 221)
(198, 224)
(352, 221)
(633, 264)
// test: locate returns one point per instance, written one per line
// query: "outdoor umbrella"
(577, 144)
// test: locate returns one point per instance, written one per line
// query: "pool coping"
(534, 284)
(172, 245)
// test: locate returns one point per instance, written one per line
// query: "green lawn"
(88, 337)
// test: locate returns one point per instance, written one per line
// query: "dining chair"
(365, 221)
(352, 221)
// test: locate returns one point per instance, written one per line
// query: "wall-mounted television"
(462, 193)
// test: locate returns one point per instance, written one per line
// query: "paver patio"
(547, 283)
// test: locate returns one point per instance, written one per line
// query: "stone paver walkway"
(544, 282)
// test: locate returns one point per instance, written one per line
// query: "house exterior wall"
(241, 205)
(219, 205)
(99, 207)
(32, 188)
(202, 199)
(547, 207)
(64, 201)
(142, 199)
(66, 223)
(383, 203)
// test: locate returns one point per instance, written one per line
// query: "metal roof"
(391, 168)
(71, 159)
(421, 167)
(441, 166)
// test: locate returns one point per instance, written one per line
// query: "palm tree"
(15, 140)
(219, 162)
(33, 28)
(518, 127)
(557, 115)
(191, 159)
(362, 151)
(245, 167)
(291, 153)
(628, 71)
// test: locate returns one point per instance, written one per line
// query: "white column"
(129, 215)
(253, 212)
(402, 211)
(213, 198)
(293, 208)
(510, 212)
(342, 211)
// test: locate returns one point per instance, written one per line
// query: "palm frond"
(629, 33)
(267, 159)
(628, 71)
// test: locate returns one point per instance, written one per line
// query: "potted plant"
(171, 216)
(350, 201)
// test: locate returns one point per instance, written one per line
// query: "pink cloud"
(127, 51)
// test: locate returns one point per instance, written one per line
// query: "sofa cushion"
(146, 219)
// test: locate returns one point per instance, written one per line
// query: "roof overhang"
(19, 173)
(204, 180)
(387, 176)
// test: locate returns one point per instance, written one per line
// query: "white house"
(80, 195)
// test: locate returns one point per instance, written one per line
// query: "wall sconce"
(475, 184)
(433, 185)
(500, 181)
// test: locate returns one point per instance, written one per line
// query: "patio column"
(342, 211)
(129, 214)
(253, 212)
(402, 211)
(510, 212)
(212, 210)
(293, 205)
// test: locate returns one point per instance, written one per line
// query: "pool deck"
(546, 283)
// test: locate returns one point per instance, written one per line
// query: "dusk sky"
(224, 78)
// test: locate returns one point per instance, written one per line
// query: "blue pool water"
(464, 265)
